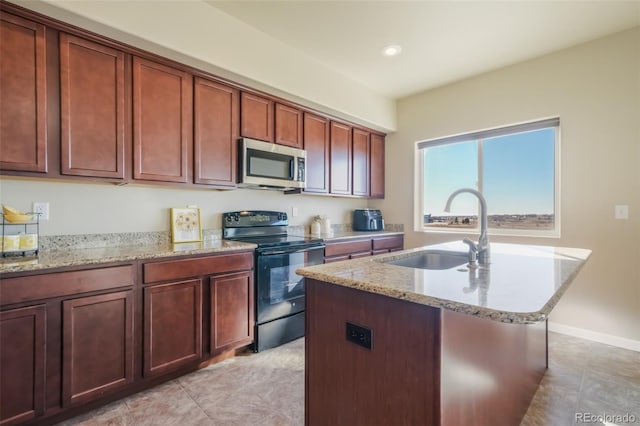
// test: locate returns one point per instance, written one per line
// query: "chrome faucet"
(477, 251)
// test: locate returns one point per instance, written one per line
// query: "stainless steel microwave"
(270, 166)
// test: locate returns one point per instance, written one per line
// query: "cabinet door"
(97, 345)
(389, 243)
(256, 117)
(172, 326)
(92, 103)
(341, 158)
(231, 311)
(215, 133)
(360, 163)
(288, 126)
(24, 95)
(316, 143)
(22, 364)
(162, 122)
(377, 166)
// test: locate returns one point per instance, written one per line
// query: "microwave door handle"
(302, 250)
(292, 169)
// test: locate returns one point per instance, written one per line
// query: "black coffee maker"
(367, 220)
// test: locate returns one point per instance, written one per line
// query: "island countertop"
(521, 285)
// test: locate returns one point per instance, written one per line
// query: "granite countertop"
(49, 259)
(521, 285)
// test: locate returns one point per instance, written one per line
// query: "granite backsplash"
(90, 241)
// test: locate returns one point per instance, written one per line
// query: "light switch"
(622, 212)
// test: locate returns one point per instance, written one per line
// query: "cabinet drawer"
(186, 268)
(35, 287)
(347, 247)
(393, 242)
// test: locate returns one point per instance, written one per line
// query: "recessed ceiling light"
(392, 50)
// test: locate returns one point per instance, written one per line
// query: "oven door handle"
(274, 252)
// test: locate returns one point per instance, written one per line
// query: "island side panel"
(490, 370)
(394, 383)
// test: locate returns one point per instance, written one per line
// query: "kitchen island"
(389, 344)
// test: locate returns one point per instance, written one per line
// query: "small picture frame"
(186, 226)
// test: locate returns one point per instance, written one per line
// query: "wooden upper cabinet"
(162, 122)
(215, 133)
(377, 166)
(316, 143)
(92, 106)
(341, 158)
(288, 126)
(361, 162)
(23, 110)
(256, 117)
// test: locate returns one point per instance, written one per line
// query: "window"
(514, 167)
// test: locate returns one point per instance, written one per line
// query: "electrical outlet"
(622, 212)
(294, 211)
(42, 208)
(361, 336)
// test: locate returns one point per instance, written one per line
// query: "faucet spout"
(482, 248)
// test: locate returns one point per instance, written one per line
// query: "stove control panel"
(251, 218)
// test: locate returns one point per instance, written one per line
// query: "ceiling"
(442, 41)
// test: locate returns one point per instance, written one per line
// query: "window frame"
(479, 135)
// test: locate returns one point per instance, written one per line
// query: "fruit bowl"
(15, 216)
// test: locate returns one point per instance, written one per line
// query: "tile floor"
(268, 389)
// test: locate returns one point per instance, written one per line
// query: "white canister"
(315, 227)
(325, 226)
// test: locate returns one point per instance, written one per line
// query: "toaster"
(367, 220)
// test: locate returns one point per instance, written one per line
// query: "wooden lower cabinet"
(172, 326)
(232, 316)
(353, 248)
(22, 364)
(387, 244)
(97, 345)
(72, 339)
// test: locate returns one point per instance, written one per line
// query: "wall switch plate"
(294, 211)
(361, 336)
(42, 208)
(622, 212)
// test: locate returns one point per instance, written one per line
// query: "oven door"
(279, 290)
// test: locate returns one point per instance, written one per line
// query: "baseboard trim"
(607, 339)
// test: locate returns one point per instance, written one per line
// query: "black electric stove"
(279, 291)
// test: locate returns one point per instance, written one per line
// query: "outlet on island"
(361, 336)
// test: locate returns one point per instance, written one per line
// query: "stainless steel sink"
(431, 259)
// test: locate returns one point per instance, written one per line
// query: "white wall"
(92, 208)
(595, 90)
(194, 33)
